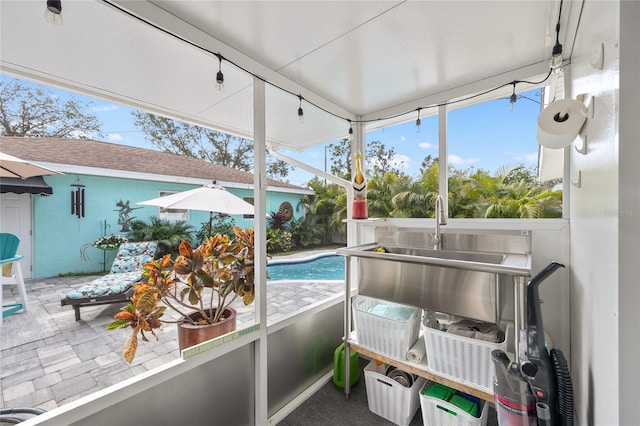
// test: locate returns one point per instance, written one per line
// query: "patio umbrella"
(211, 198)
(15, 167)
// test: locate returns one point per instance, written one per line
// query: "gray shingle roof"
(91, 153)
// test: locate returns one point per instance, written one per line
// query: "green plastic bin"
(338, 367)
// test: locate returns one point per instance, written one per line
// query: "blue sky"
(486, 136)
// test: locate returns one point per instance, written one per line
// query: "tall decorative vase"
(360, 208)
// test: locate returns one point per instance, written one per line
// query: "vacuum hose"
(8, 415)
(565, 387)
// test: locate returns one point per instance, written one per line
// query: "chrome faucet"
(441, 220)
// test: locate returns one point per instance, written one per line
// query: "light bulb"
(53, 13)
(300, 111)
(513, 98)
(556, 59)
(418, 122)
(556, 53)
(219, 75)
(220, 81)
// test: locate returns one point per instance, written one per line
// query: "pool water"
(321, 268)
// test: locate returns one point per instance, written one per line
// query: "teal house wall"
(59, 235)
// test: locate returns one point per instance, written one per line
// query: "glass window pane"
(493, 161)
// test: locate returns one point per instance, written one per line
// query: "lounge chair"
(117, 285)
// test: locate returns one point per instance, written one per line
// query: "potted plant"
(106, 243)
(199, 285)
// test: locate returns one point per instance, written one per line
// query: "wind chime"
(77, 198)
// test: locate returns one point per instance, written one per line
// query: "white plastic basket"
(388, 336)
(388, 398)
(436, 412)
(460, 358)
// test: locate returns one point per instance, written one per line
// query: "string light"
(350, 131)
(219, 75)
(300, 111)
(53, 12)
(513, 98)
(418, 122)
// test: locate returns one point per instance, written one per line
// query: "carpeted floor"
(329, 407)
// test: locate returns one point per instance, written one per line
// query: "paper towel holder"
(572, 111)
(590, 108)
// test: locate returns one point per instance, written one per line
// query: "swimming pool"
(324, 267)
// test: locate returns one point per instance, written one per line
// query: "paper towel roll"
(560, 122)
(417, 351)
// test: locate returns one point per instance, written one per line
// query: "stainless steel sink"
(515, 264)
(467, 283)
(467, 256)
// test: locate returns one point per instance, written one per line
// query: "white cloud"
(80, 134)
(115, 137)
(403, 138)
(427, 145)
(456, 159)
(105, 108)
(401, 161)
(530, 158)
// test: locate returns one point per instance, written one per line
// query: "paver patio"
(49, 359)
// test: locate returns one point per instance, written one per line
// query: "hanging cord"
(558, 23)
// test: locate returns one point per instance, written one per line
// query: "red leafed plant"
(206, 279)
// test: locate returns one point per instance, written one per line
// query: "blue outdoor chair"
(10, 261)
(117, 285)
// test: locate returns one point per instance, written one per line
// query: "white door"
(15, 218)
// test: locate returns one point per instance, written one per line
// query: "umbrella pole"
(210, 220)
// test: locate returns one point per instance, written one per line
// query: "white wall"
(594, 221)
(629, 223)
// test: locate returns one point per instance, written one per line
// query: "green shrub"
(168, 234)
(304, 234)
(221, 225)
(278, 241)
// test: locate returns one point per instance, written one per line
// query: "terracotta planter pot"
(190, 335)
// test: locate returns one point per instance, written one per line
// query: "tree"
(35, 111)
(209, 145)
(341, 158)
(379, 159)
(327, 209)
(381, 188)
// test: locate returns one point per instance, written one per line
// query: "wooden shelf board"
(421, 370)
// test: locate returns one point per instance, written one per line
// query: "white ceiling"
(357, 59)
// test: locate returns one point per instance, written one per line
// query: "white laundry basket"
(460, 358)
(387, 335)
(388, 398)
